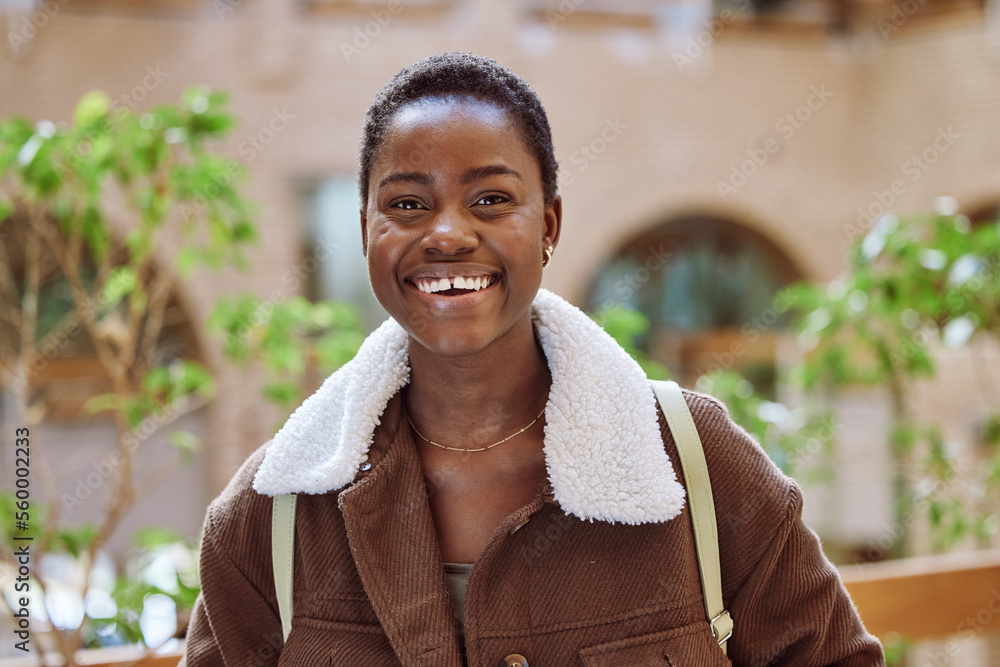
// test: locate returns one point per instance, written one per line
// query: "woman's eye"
(407, 205)
(492, 199)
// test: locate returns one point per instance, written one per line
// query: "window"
(333, 248)
(66, 370)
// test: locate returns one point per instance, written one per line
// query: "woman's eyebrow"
(413, 176)
(469, 176)
(476, 173)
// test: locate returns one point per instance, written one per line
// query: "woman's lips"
(454, 285)
(453, 297)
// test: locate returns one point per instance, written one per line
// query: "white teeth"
(432, 285)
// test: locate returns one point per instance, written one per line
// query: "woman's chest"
(554, 589)
(468, 501)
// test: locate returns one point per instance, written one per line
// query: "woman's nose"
(450, 233)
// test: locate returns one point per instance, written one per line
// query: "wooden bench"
(928, 597)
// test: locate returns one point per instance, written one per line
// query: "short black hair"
(460, 74)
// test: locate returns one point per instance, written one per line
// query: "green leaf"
(194, 378)
(92, 107)
(282, 393)
(120, 283)
(95, 232)
(337, 348)
(990, 430)
(285, 357)
(186, 260)
(157, 381)
(104, 402)
(244, 232)
(896, 647)
(76, 540)
(151, 537)
(184, 441)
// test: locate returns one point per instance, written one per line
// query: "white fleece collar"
(603, 450)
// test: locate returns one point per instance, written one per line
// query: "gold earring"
(548, 255)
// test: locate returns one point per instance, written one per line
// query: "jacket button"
(515, 660)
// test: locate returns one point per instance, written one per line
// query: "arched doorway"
(707, 286)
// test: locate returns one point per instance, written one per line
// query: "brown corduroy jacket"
(560, 591)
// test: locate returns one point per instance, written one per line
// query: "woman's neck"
(473, 401)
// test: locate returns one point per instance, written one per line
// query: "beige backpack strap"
(283, 556)
(700, 503)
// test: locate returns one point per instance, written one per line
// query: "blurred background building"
(710, 153)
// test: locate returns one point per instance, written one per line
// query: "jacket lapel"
(391, 534)
(603, 449)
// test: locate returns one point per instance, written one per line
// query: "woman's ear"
(553, 221)
(364, 232)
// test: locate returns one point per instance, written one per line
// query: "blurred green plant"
(290, 338)
(895, 647)
(96, 215)
(87, 209)
(796, 439)
(628, 326)
(161, 563)
(914, 287)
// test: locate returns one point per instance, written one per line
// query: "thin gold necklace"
(480, 449)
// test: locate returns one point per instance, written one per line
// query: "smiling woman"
(490, 481)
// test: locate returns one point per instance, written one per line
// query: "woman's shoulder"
(239, 509)
(754, 500)
(735, 459)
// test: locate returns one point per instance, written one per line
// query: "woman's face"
(455, 224)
